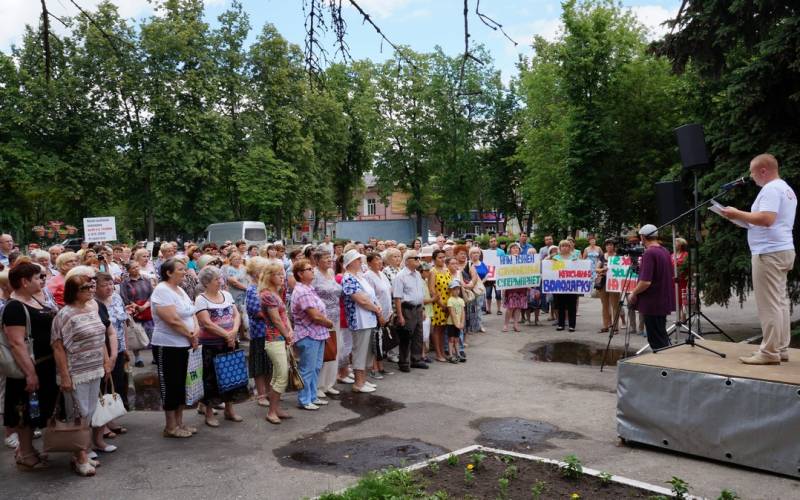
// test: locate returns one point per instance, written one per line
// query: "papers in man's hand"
(717, 209)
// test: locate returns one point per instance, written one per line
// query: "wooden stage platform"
(692, 401)
(698, 360)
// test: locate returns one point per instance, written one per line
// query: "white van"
(254, 233)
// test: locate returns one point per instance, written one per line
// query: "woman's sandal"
(273, 420)
(23, 462)
(118, 430)
(177, 432)
(84, 469)
(109, 435)
(234, 418)
(263, 402)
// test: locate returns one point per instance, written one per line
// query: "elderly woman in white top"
(362, 309)
(175, 331)
(383, 292)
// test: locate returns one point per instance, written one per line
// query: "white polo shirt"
(776, 196)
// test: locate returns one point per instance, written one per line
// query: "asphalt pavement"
(499, 396)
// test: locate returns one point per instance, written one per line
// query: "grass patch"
(390, 483)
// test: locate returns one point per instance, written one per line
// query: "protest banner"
(99, 229)
(570, 276)
(618, 267)
(492, 261)
(518, 271)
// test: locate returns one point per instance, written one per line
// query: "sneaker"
(375, 375)
(394, 358)
(560, 329)
(386, 372)
(320, 402)
(571, 329)
(759, 359)
(499, 313)
(333, 391)
(370, 384)
(310, 407)
(321, 394)
(92, 455)
(348, 380)
(364, 388)
(12, 441)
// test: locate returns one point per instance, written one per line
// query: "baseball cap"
(648, 230)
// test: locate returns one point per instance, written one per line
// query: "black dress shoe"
(405, 369)
(422, 365)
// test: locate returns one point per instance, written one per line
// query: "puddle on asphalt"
(575, 353)
(519, 433)
(356, 456)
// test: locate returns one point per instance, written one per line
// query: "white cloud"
(379, 8)
(652, 16)
(15, 14)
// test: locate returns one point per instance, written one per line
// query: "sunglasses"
(88, 287)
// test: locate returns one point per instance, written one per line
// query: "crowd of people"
(368, 303)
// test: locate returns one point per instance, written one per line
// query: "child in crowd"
(455, 321)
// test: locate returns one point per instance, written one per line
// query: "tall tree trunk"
(529, 222)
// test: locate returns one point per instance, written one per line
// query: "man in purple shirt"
(654, 295)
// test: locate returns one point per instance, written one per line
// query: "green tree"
(741, 59)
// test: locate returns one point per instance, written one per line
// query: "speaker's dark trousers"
(410, 336)
(656, 327)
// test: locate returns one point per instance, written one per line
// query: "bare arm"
(319, 317)
(765, 219)
(275, 317)
(169, 315)
(113, 344)
(60, 356)
(204, 319)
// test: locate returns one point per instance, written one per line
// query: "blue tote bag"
(231, 369)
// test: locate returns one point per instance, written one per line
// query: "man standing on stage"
(769, 235)
(654, 295)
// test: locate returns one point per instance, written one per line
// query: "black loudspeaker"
(692, 145)
(669, 201)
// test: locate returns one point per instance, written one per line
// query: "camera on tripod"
(634, 251)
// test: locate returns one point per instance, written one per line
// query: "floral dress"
(441, 285)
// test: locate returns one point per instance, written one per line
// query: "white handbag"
(136, 337)
(109, 407)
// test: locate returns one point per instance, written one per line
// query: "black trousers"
(656, 327)
(567, 306)
(172, 363)
(410, 336)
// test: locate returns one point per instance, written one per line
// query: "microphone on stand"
(730, 185)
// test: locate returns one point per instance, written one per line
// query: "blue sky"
(421, 24)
